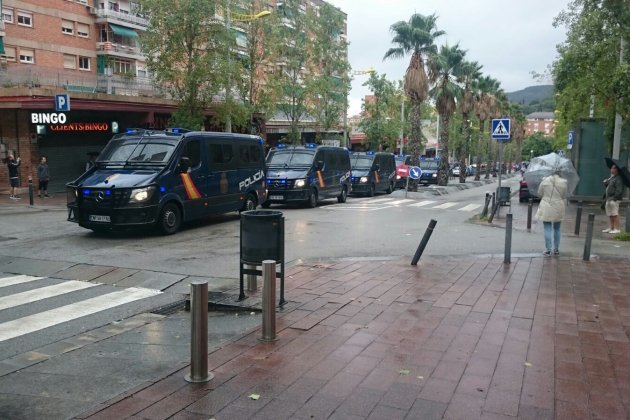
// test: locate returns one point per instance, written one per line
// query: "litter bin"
(262, 238)
(504, 194)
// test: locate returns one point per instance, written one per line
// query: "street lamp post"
(228, 24)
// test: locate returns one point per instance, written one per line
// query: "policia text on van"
(161, 179)
(307, 174)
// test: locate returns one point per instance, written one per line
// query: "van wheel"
(390, 189)
(312, 199)
(170, 219)
(341, 198)
(250, 203)
(372, 190)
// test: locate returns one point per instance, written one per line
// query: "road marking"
(445, 205)
(422, 203)
(357, 208)
(379, 200)
(470, 207)
(10, 281)
(21, 298)
(39, 321)
(397, 202)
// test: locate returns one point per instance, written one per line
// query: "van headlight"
(300, 183)
(363, 179)
(141, 195)
(434, 175)
(398, 177)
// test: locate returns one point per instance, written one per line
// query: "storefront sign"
(80, 126)
(48, 118)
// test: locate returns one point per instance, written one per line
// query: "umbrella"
(623, 170)
(543, 166)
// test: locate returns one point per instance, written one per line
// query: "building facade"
(541, 122)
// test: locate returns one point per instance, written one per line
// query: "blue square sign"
(501, 129)
(62, 102)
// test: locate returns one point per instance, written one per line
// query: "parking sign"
(62, 102)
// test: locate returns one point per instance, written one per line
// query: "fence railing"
(126, 17)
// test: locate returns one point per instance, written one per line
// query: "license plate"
(99, 218)
(276, 197)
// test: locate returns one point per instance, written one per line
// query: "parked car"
(402, 171)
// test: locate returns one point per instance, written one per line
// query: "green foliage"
(185, 54)
(539, 144)
(623, 236)
(381, 122)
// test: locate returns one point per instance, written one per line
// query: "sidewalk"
(457, 338)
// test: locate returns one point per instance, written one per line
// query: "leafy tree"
(484, 88)
(331, 83)
(444, 70)
(184, 54)
(537, 145)
(381, 117)
(416, 37)
(470, 73)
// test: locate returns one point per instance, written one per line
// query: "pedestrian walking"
(553, 191)
(14, 175)
(43, 176)
(614, 195)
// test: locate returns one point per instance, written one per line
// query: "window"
(84, 63)
(7, 15)
(9, 53)
(67, 27)
(69, 61)
(83, 30)
(192, 151)
(24, 18)
(122, 66)
(27, 56)
(221, 156)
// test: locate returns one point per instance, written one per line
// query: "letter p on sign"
(62, 102)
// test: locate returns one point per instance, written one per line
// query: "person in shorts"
(614, 195)
(14, 176)
(43, 176)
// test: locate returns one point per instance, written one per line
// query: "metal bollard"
(423, 242)
(589, 237)
(269, 301)
(252, 280)
(199, 333)
(578, 219)
(30, 190)
(508, 239)
(484, 212)
(628, 216)
(530, 206)
(495, 208)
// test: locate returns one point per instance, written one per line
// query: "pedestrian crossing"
(20, 295)
(387, 203)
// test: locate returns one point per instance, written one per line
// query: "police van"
(373, 172)
(164, 178)
(307, 174)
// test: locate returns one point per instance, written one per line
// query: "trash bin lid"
(262, 213)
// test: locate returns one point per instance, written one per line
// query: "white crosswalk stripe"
(13, 280)
(387, 203)
(52, 317)
(422, 203)
(445, 206)
(398, 202)
(470, 207)
(45, 292)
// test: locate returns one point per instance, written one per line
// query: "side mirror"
(184, 164)
(320, 165)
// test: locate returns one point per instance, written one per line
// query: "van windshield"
(290, 158)
(429, 164)
(133, 151)
(362, 162)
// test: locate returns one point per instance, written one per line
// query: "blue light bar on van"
(310, 146)
(369, 153)
(131, 131)
(280, 181)
(162, 189)
(281, 146)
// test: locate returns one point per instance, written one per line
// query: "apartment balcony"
(108, 15)
(111, 48)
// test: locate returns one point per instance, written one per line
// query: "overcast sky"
(509, 38)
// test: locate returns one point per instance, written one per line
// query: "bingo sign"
(58, 121)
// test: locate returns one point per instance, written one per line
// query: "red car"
(402, 172)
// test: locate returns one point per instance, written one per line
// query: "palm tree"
(484, 105)
(470, 72)
(444, 70)
(415, 37)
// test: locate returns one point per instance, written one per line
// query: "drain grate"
(171, 308)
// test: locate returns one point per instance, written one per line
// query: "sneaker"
(556, 252)
(15, 197)
(606, 230)
(547, 253)
(615, 231)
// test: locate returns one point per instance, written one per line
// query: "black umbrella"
(623, 171)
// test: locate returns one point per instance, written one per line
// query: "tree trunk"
(463, 148)
(443, 172)
(480, 147)
(414, 139)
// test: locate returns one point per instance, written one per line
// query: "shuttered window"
(67, 27)
(27, 56)
(83, 30)
(69, 61)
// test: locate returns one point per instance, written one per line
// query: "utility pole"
(618, 119)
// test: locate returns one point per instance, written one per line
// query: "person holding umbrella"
(553, 178)
(614, 193)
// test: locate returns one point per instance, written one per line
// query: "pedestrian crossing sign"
(501, 129)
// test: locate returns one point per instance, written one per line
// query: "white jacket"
(553, 192)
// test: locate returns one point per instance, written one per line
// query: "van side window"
(249, 155)
(221, 156)
(192, 151)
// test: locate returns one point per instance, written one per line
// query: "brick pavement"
(455, 338)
